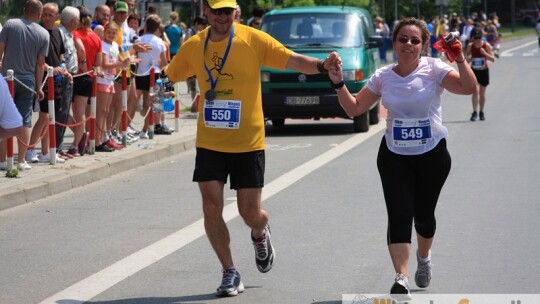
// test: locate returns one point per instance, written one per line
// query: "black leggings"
(411, 185)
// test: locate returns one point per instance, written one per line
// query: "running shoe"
(264, 251)
(47, 159)
(3, 166)
(143, 134)
(104, 148)
(23, 166)
(422, 277)
(73, 152)
(31, 156)
(113, 144)
(400, 291)
(482, 116)
(473, 116)
(230, 284)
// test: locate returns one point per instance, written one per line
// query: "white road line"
(99, 282)
(508, 52)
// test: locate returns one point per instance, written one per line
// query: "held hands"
(334, 66)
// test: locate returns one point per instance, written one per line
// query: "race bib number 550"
(223, 114)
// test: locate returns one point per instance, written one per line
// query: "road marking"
(99, 282)
(508, 52)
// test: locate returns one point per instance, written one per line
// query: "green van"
(316, 31)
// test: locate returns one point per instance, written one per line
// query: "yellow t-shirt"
(119, 39)
(238, 80)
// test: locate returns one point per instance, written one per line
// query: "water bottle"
(451, 37)
(58, 77)
(158, 101)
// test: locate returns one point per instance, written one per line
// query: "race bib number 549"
(411, 132)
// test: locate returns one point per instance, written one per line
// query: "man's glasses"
(413, 40)
(225, 10)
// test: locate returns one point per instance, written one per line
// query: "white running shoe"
(24, 166)
(422, 277)
(31, 156)
(264, 251)
(400, 291)
(47, 159)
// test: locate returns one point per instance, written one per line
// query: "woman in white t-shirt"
(413, 161)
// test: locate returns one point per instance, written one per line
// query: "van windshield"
(298, 30)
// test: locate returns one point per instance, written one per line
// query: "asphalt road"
(137, 237)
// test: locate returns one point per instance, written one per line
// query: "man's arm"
(307, 65)
(39, 76)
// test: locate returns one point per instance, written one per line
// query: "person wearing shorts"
(479, 52)
(226, 59)
(24, 44)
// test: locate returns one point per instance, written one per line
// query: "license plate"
(302, 100)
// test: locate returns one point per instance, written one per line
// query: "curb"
(80, 176)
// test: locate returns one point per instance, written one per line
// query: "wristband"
(460, 61)
(320, 67)
(337, 86)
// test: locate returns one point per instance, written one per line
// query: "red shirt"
(92, 45)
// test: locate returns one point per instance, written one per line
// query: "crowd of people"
(76, 43)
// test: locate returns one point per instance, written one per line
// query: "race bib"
(478, 63)
(222, 114)
(411, 132)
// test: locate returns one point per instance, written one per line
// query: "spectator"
(69, 22)
(238, 14)
(110, 61)
(10, 118)
(156, 57)
(256, 22)
(82, 87)
(538, 30)
(54, 59)
(174, 33)
(134, 22)
(102, 14)
(24, 44)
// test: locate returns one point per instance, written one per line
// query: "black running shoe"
(482, 116)
(264, 251)
(473, 116)
(230, 284)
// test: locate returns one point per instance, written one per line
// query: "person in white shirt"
(413, 160)
(10, 118)
(156, 57)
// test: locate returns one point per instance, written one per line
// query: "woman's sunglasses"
(225, 10)
(414, 41)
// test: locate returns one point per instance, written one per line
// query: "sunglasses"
(225, 10)
(413, 41)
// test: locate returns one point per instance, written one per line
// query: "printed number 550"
(221, 115)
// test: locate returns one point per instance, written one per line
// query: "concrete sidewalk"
(44, 179)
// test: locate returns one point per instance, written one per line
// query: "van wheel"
(361, 123)
(278, 122)
(374, 115)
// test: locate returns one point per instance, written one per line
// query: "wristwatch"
(337, 86)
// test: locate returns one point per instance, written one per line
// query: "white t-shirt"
(112, 51)
(414, 122)
(147, 58)
(10, 118)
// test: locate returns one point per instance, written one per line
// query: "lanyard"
(210, 95)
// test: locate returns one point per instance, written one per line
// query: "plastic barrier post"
(124, 107)
(177, 107)
(92, 142)
(151, 111)
(52, 118)
(9, 141)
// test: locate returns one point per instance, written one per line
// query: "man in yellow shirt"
(226, 57)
